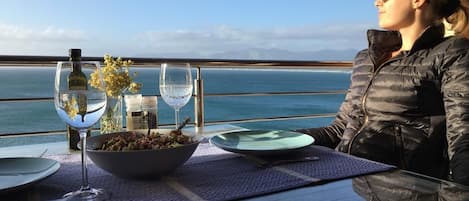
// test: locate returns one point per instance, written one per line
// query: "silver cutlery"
(269, 163)
(43, 153)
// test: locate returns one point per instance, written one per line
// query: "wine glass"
(80, 105)
(176, 85)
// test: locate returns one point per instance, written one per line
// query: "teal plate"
(19, 173)
(262, 142)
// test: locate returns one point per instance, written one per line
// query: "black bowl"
(137, 164)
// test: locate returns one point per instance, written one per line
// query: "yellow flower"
(71, 108)
(116, 77)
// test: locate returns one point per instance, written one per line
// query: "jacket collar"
(432, 36)
(382, 43)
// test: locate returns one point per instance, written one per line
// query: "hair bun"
(449, 8)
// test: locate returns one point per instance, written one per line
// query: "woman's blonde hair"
(458, 19)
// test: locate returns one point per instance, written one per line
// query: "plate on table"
(262, 142)
(18, 173)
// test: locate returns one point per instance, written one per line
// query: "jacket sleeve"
(455, 89)
(330, 135)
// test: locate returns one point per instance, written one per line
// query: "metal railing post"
(199, 100)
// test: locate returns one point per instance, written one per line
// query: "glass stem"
(176, 115)
(84, 170)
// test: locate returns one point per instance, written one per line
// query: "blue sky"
(250, 29)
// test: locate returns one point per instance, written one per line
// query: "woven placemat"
(212, 174)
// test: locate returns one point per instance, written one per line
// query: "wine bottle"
(76, 81)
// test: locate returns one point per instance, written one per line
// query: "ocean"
(27, 82)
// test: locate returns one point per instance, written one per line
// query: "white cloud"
(200, 42)
(49, 40)
(48, 34)
(225, 38)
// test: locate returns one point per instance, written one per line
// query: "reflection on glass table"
(387, 186)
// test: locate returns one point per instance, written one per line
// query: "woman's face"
(395, 14)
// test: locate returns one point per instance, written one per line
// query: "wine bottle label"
(74, 84)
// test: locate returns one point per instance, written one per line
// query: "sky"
(235, 29)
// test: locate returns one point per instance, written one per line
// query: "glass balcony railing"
(247, 92)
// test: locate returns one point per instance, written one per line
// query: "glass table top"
(395, 185)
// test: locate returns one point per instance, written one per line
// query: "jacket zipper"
(365, 95)
(399, 144)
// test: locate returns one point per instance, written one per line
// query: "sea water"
(28, 82)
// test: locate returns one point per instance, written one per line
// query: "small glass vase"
(111, 121)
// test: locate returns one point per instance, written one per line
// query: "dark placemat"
(212, 174)
(236, 178)
(68, 179)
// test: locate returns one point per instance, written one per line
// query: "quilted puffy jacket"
(412, 110)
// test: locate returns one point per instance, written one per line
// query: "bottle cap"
(74, 52)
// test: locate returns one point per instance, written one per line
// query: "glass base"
(90, 194)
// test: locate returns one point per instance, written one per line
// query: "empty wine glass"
(80, 105)
(176, 86)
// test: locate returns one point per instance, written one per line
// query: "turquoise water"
(41, 116)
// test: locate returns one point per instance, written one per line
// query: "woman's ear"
(418, 3)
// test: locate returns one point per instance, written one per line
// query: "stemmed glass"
(176, 85)
(80, 106)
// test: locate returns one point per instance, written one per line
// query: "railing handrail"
(22, 60)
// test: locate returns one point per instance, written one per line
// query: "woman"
(408, 102)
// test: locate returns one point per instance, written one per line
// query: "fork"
(43, 153)
(265, 163)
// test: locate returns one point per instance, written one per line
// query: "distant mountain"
(268, 54)
(323, 55)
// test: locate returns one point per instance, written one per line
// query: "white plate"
(18, 173)
(262, 142)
